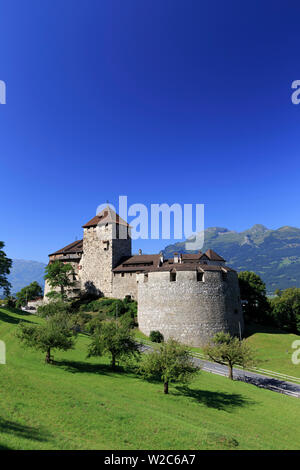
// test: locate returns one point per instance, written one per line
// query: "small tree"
(114, 338)
(59, 275)
(171, 363)
(5, 265)
(228, 350)
(54, 334)
(29, 292)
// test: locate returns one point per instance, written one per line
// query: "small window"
(145, 277)
(172, 277)
(199, 276)
(236, 311)
(123, 274)
(224, 276)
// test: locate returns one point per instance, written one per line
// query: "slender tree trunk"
(166, 387)
(47, 359)
(113, 362)
(230, 374)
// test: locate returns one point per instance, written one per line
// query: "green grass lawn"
(274, 349)
(81, 404)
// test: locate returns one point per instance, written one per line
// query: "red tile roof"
(75, 247)
(107, 216)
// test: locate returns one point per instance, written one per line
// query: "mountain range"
(273, 254)
(23, 272)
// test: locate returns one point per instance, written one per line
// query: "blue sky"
(162, 100)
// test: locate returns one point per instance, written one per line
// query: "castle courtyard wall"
(125, 285)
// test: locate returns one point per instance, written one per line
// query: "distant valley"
(23, 272)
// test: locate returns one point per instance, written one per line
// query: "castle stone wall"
(188, 310)
(125, 285)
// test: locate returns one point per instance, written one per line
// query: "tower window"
(200, 276)
(224, 276)
(145, 277)
(172, 277)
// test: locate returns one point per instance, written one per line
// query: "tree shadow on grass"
(252, 328)
(218, 400)
(21, 430)
(8, 319)
(2, 447)
(87, 367)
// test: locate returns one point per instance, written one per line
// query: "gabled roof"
(213, 256)
(191, 256)
(75, 247)
(107, 216)
(138, 263)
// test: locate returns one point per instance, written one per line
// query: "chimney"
(140, 251)
(176, 258)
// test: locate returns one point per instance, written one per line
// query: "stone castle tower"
(106, 241)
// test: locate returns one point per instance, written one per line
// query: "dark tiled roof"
(75, 247)
(107, 216)
(194, 256)
(150, 263)
(138, 263)
(213, 256)
(142, 259)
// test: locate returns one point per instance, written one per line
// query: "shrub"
(156, 337)
(53, 308)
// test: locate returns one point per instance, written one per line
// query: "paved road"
(263, 381)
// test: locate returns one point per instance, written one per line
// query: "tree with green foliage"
(59, 275)
(114, 338)
(229, 351)
(50, 309)
(56, 333)
(5, 266)
(30, 292)
(172, 362)
(253, 291)
(286, 309)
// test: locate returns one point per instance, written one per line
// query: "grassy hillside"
(81, 404)
(273, 254)
(274, 349)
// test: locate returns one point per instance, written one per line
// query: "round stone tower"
(190, 303)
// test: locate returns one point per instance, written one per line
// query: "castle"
(189, 297)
